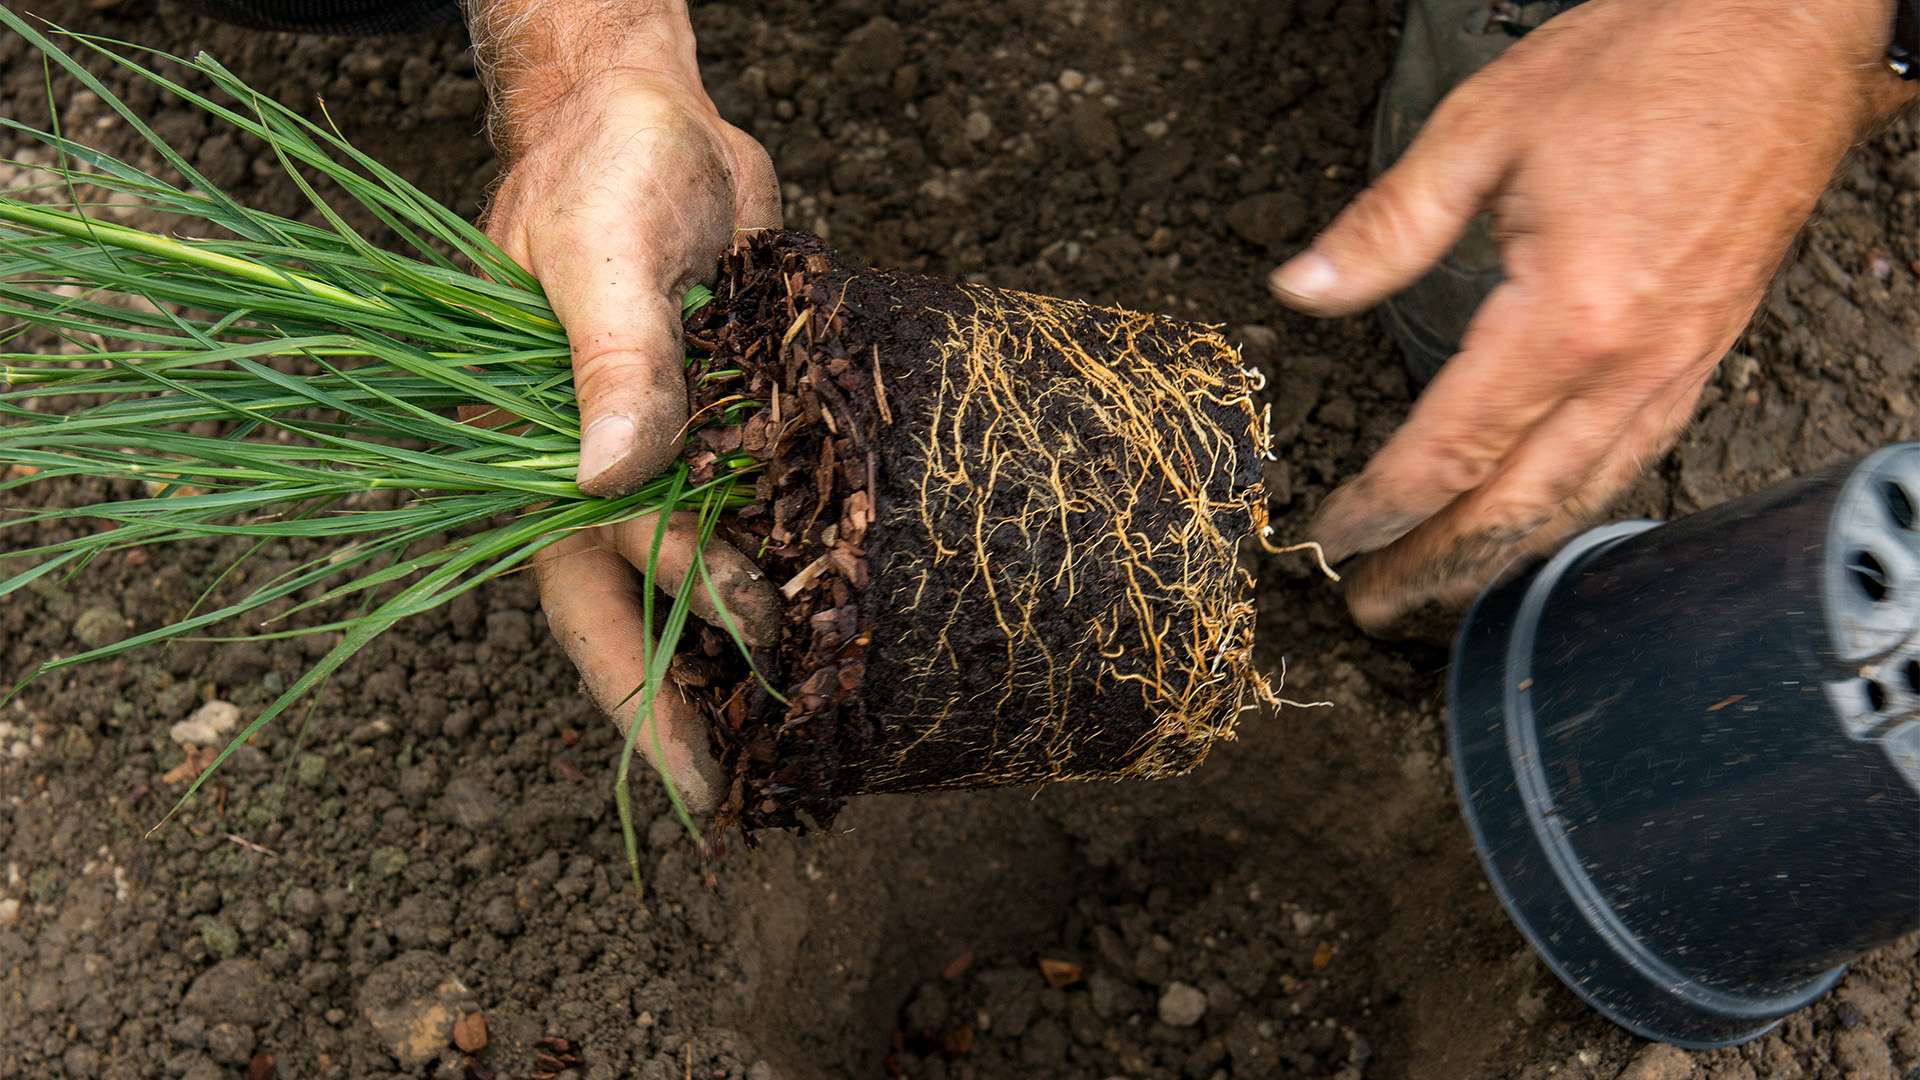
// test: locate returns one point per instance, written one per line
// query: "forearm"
(533, 54)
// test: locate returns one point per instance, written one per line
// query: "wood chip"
(855, 517)
(798, 583)
(799, 322)
(958, 965)
(1059, 974)
(470, 1033)
(198, 758)
(1323, 956)
(849, 564)
(258, 849)
(880, 390)
(959, 1040)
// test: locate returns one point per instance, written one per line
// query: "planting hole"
(1899, 504)
(1869, 575)
(1876, 695)
(1911, 673)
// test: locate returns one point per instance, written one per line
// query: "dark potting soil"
(1008, 527)
(445, 811)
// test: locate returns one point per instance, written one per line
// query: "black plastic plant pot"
(1690, 753)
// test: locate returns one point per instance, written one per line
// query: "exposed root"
(1120, 470)
(1319, 553)
(1269, 694)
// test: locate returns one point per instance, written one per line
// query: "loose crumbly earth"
(1307, 904)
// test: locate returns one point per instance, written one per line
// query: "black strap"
(1904, 56)
(347, 17)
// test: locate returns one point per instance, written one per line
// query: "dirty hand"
(1648, 164)
(623, 187)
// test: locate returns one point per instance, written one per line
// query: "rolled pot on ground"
(1006, 526)
(1689, 754)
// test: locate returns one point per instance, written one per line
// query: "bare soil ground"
(438, 836)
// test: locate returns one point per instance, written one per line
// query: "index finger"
(1473, 413)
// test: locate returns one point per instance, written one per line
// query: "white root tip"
(1319, 553)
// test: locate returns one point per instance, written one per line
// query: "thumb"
(629, 364)
(1399, 227)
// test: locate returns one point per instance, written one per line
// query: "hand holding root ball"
(624, 187)
(1648, 164)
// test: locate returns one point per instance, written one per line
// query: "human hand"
(590, 588)
(1648, 164)
(623, 188)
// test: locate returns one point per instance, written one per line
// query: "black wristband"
(345, 17)
(1904, 55)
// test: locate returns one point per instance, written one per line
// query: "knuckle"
(1463, 112)
(1598, 326)
(1476, 109)
(1457, 462)
(1512, 517)
(752, 163)
(1382, 215)
(616, 372)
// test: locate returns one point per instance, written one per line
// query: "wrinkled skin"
(1648, 164)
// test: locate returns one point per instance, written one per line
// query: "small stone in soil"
(501, 917)
(927, 1012)
(81, 1061)
(1182, 1005)
(230, 1044)
(413, 1014)
(222, 940)
(208, 726)
(304, 905)
(43, 884)
(311, 770)
(1112, 999)
(99, 626)
(385, 862)
(234, 991)
(1659, 1062)
(1274, 220)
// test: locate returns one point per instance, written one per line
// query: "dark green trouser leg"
(1444, 42)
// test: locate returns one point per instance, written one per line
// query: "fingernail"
(1309, 276)
(605, 444)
